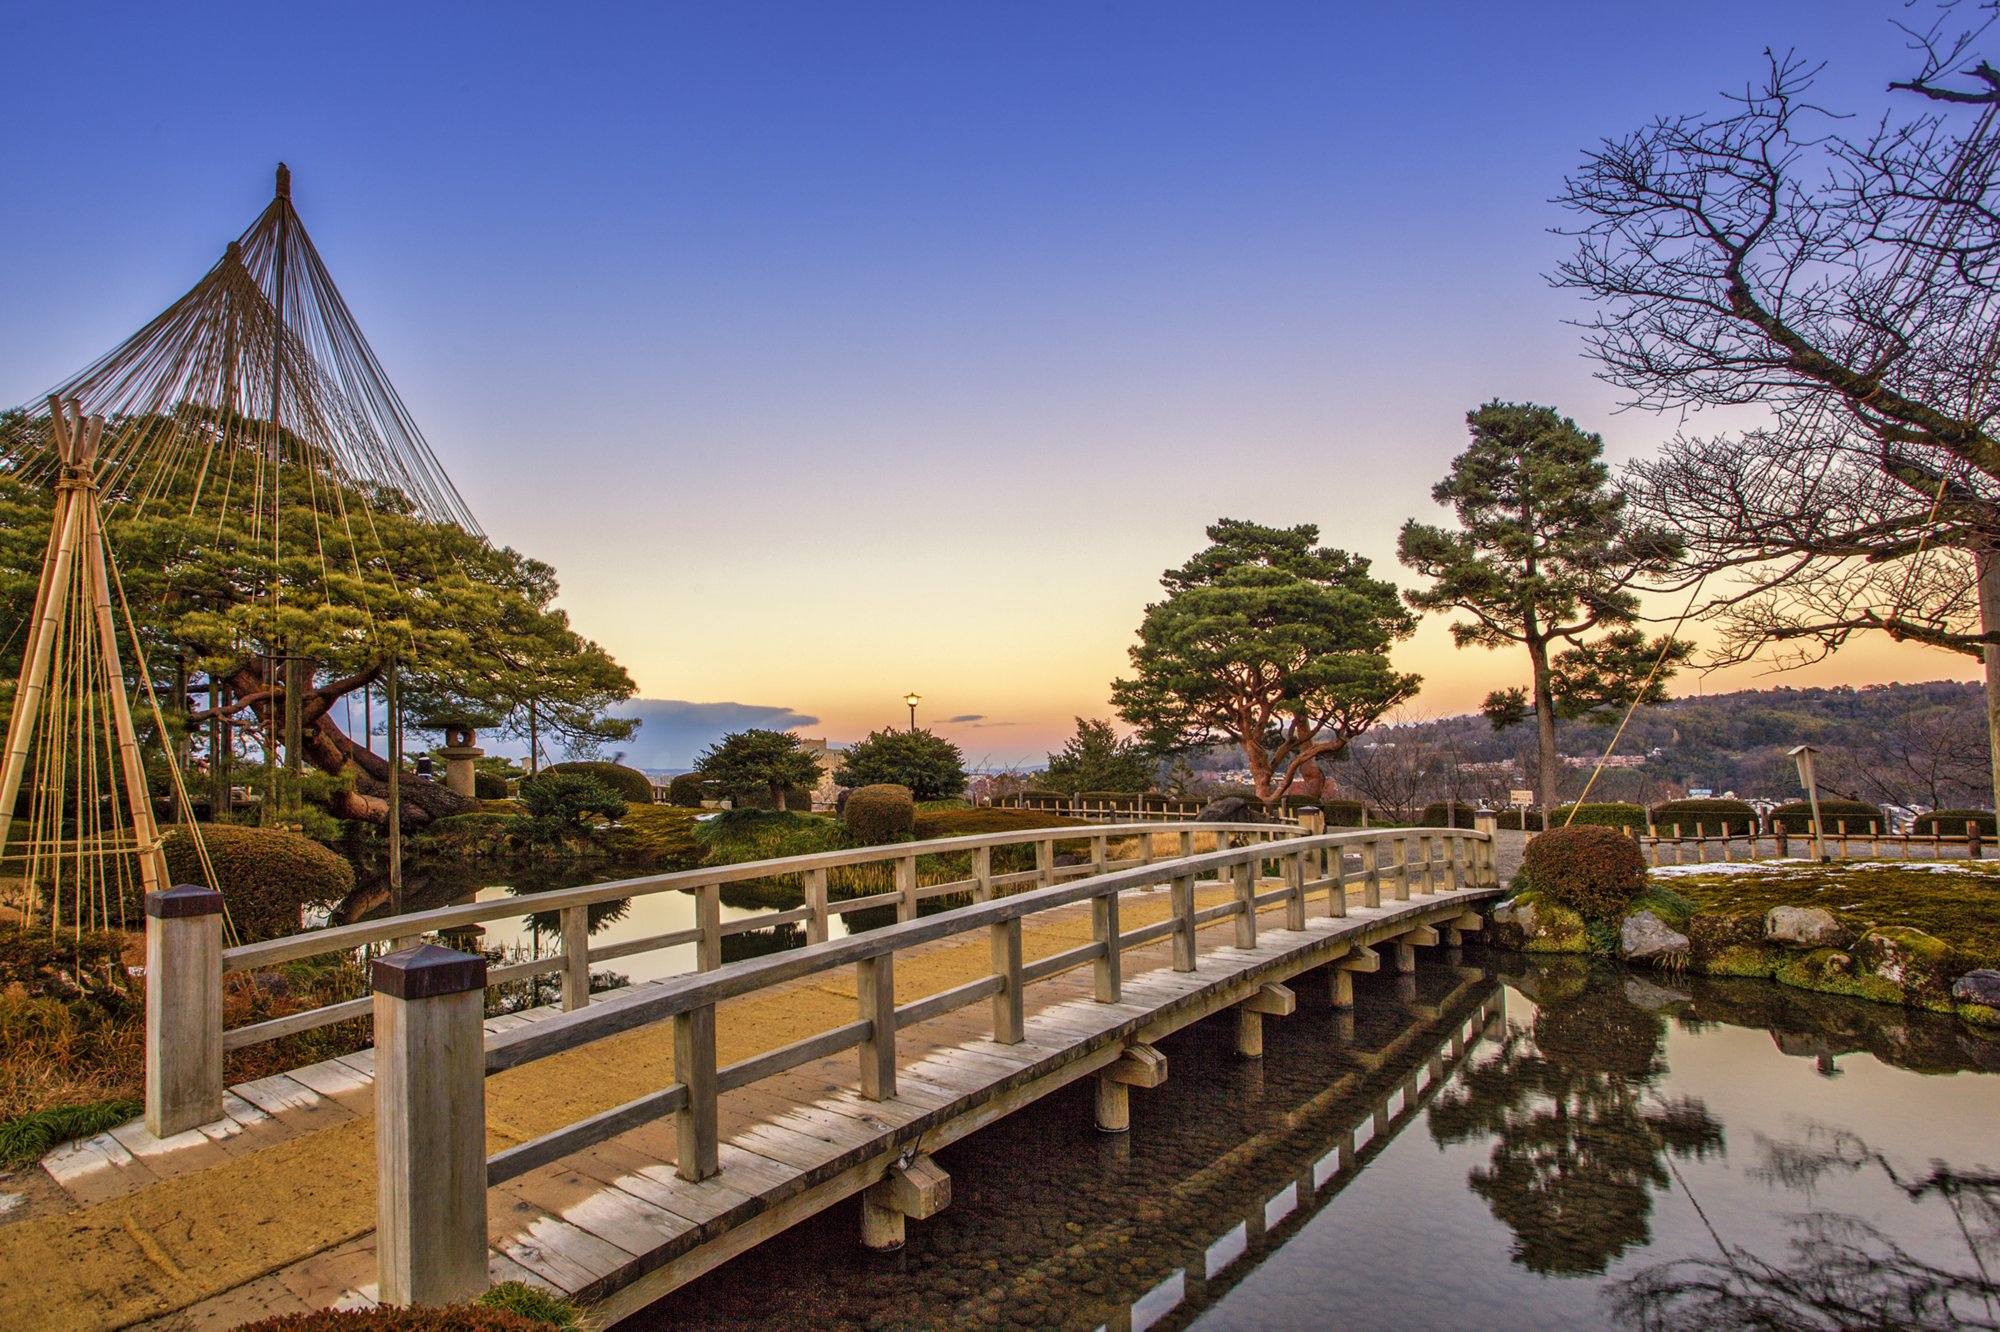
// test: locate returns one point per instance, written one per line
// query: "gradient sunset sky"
(834, 350)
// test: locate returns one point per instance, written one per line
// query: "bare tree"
(1847, 285)
(1931, 756)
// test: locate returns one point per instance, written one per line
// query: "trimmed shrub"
(489, 786)
(1705, 818)
(1118, 800)
(1343, 813)
(1950, 822)
(1041, 799)
(1607, 814)
(635, 786)
(264, 874)
(969, 822)
(560, 804)
(1445, 814)
(685, 791)
(1595, 871)
(1859, 817)
(1521, 820)
(878, 814)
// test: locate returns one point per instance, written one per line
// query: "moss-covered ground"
(1957, 902)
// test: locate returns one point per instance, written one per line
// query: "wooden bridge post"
(816, 924)
(982, 874)
(708, 919)
(183, 1009)
(1182, 895)
(1045, 861)
(1244, 875)
(1277, 1000)
(1107, 971)
(1009, 1021)
(1187, 843)
(875, 989)
(575, 925)
(1371, 874)
(1483, 860)
(1341, 974)
(697, 1136)
(1140, 1066)
(1099, 852)
(430, 1125)
(906, 888)
(1295, 879)
(1399, 855)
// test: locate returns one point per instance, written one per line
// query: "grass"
(25, 1139)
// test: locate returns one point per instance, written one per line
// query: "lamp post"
(912, 698)
(1804, 755)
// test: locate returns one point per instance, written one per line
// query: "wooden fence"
(1674, 844)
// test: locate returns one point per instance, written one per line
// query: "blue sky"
(834, 350)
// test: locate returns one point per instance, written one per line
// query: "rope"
(1651, 675)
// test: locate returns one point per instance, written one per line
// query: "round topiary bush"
(1606, 814)
(265, 875)
(686, 791)
(635, 786)
(1705, 818)
(1447, 814)
(1594, 871)
(878, 814)
(1859, 817)
(489, 786)
(1951, 822)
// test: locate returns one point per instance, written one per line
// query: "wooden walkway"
(617, 1226)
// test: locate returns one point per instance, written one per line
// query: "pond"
(1502, 1141)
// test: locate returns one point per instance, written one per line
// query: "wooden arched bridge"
(617, 1145)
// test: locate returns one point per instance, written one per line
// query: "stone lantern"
(459, 749)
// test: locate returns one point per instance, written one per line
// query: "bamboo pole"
(152, 860)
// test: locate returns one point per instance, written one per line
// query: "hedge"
(1610, 814)
(489, 786)
(1860, 818)
(264, 874)
(635, 786)
(685, 791)
(1521, 820)
(878, 814)
(971, 822)
(1343, 813)
(1705, 818)
(1951, 822)
(1441, 814)
(1593, 870)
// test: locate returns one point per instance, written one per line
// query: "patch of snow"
(1729, 867)
(1919, 866)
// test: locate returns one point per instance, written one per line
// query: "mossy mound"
(1558, 930)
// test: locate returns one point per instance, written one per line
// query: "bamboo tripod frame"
(77, 532)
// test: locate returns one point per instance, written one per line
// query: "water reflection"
(1581, 1135)
(1838, 1270)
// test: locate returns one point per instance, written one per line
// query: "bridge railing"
(185, 1039)
(432, 1056)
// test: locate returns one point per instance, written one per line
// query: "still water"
(1508, 1142)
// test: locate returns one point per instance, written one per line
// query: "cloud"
(674, 731)
(968, 717)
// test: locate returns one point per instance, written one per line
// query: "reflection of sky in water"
(1408, 1244)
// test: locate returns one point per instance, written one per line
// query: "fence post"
(1182, 894)
(1485, 862)
(1008, 1019)
(875, 988)
(696, 1130)
(1371, 874)
(575, 925)
(708, 919)
(430, 1125)
(1045, 861)
(816, 924)
(183, 1009)
(1399, 859)
(1295, 879)
(1245, 876)
(1106, 972)
(982, 874)
(1312, 819)
(906, 888)
(1187, 844)
(1973, 850)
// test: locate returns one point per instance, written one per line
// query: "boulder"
(1644, 936)
(1802, 927)
(1642, 993)
(1978, 987)
(1229, 809)
(1914, 962)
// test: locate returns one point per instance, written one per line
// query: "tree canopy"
(1544, 557)
(359, 580)
(1095, 759)
(1270, 641)
(931, 766)
(758, 763)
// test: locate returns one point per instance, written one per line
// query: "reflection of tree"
(1579, 1141)
(1840, 1271)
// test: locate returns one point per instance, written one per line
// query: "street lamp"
(1804, 754)
(911, 699)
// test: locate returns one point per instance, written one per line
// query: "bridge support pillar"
(430, 1126)
(1276, 1000)
(1423, 936)
(919, 1189)
(1340, 975)
(1139, 1066)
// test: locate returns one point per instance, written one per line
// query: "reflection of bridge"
(647, 1135)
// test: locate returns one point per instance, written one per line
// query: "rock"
(1229, 809)
(1514, 923)
(1802, 927)
(1978, 987)
(1642, 993)
(1644, 936)
(1911, 960)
